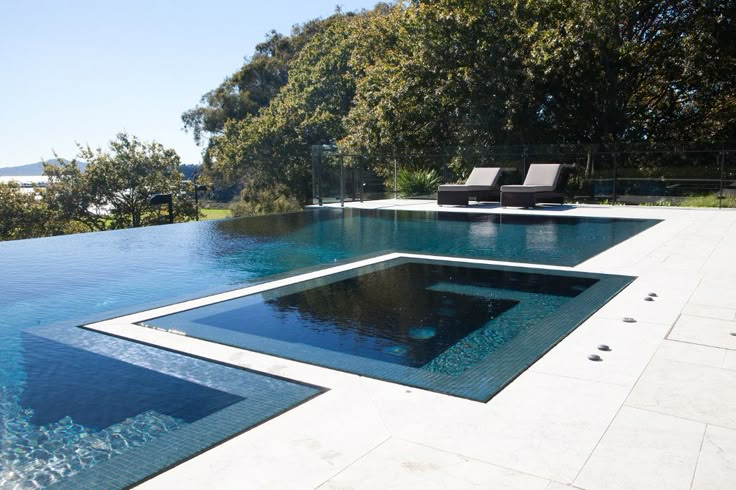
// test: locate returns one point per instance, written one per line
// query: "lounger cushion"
(543, 174)
(483, 176)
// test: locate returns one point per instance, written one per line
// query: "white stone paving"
(658, 412)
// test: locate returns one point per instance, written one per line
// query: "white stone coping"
(653, 407)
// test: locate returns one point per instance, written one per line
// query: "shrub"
(266, 201)
(417, 182)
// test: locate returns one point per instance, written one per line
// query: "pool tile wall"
(480, 380)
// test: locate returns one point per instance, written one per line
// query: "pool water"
(53, 368)
(100, 412)
(389, 315)
(434, 324)
(70, 280)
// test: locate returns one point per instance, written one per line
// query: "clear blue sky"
(83, 70)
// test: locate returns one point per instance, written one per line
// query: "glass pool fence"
(674, 174)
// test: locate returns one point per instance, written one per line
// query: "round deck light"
(595, 357)
(648, 298)
(604, 347)
(628, 319)
(653, 295)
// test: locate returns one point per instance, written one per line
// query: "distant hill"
(188, 169)
(34, 168)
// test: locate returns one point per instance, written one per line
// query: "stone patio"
(658, 412)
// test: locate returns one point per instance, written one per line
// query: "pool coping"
(495, 436)
(474, 383)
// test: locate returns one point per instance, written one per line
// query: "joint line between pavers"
(470, 458)
(700, 453)
(355, 461)
(623, 404)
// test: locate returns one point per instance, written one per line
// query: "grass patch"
(214, 213)
(710, 201)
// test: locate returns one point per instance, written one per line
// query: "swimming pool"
(78, 279)
(101, 412)
(458, 328)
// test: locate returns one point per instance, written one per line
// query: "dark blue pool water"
(99, 412)
(456, 328)
(74, 278)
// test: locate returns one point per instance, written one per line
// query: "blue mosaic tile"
(128, 411)
(381, 320)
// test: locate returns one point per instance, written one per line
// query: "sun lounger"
(541, 185)
(482, 184)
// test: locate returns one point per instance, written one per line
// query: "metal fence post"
(524, 153)
(615, 172)
(361, 175)
(317, 173)
(722, 156)
(396, 181)
(342, 182)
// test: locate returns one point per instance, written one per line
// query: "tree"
(24, 214)
(115, 189)
(253, 86)
(439, 74)
(71, 197)
(438, 77)
(272, 149)
(630, 71)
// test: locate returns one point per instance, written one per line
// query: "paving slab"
(299, 449)
(691, 353)
(564, 423)
(705, 331)
(729, 361)
(716, 312)
(398, 464)
(717, 464)
(701, 393)
(631, 346)
(540, 424)
(559, 486)
(714, 296)
(644, 450)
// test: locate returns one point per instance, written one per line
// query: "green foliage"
(419, 182)
(24, 214)
(273, 147)
(421, 77)
(662, 203)
(254, 85)
(709, 201)
(268, 201)
(72, 198)
(117, 185)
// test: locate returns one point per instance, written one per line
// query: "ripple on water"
(34, 456)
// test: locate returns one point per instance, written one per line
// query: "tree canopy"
(115, 189)
(435, 74)
(24, 214)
